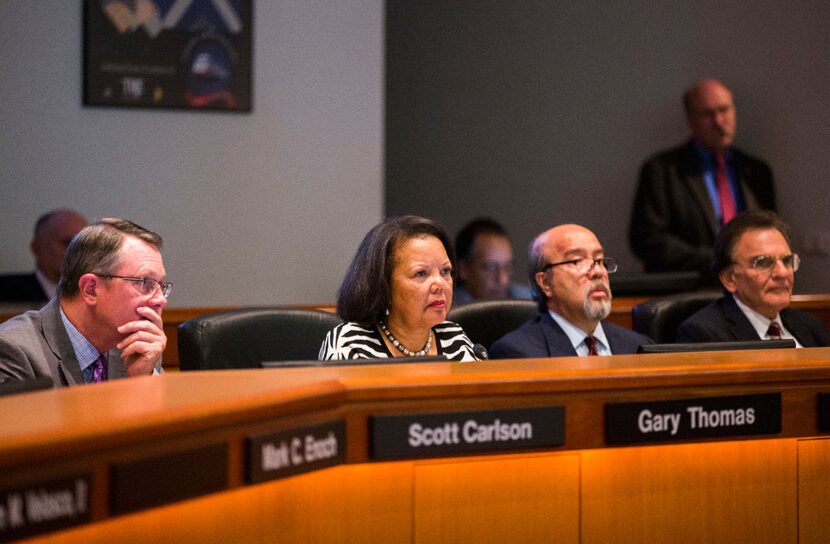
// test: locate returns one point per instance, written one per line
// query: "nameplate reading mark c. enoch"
(295, 451)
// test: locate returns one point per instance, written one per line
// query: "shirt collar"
(85, 352)
(707, 156)
(759, 322)
(577, 336)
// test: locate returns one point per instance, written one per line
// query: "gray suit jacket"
(36, 344)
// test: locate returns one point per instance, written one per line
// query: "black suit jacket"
(543, 337)
(21, 288)
(673, 225)
(723, 321)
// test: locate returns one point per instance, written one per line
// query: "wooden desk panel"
(761, 489)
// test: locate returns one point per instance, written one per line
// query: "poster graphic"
(193, 54)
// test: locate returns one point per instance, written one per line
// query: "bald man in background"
(686, 194)
(53, 232)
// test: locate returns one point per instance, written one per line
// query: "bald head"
(576, 286)
(710, 113)
(53, 232)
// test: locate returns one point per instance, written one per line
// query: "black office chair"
(245, 337)
(630, 284)
(485, 322)
(659, 318)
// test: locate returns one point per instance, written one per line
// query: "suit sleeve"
(507, 348)
(14, 362)
(651, 232)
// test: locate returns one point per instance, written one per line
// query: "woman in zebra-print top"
(396, 295)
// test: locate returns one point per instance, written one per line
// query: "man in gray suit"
(569, 273)
(105, 321)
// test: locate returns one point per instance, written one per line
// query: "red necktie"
(774, 330)
(727, 201)
(591, 342)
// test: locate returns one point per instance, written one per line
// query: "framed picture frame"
(181, 54)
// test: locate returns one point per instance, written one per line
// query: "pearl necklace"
(403, 349)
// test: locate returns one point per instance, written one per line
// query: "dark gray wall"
(540, 113)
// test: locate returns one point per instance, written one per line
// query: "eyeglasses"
(147, 286)
(765, 263)
(585, 265)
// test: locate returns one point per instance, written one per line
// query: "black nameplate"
(168, 478)
(824, 412)
(42, 507)
(295, 451)
(672, 420)
(433, 434)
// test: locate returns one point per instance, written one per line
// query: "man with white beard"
(569, 271)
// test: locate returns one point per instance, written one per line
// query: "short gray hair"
(96, 249)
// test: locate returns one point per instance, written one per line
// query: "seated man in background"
(756, 267)
(53, 232)
(687, 193)
(105, 322)
(569, 271)
(485, 264)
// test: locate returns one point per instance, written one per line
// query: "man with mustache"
(569, 274)
(686, 194)
(756, 267)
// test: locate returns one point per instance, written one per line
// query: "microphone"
(480, 352)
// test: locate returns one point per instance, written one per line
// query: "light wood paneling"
(524, 499)
(356, 503)
(814, 491)
(724, 492)
(231, 516)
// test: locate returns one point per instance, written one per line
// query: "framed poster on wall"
(190, 54)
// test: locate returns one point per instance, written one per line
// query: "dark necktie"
(99, 369)
(591, 342)
(774, 330)
(727, 201)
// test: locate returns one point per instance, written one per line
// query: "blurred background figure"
(485, 264)
(53, 232)
(686, 194)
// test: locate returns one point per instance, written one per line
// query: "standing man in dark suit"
(105, 322)
(687, 193)
(569, 271)
(756, 266)
(53, 232)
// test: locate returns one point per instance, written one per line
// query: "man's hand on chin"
(143, 343)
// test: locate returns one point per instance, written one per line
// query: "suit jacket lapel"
(58, 340)
(797, 328)
(693, 178)
(741, 328)
(557, 341)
